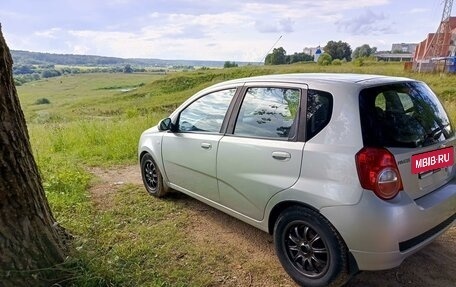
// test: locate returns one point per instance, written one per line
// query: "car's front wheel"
(152, 177)
(310, 249)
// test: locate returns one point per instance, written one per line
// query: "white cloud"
(50, 33)
(80, 50)
(418, 10)
(11, 14)
(283, 25)
(210, 29)
(368, 22)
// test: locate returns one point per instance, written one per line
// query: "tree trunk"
(30, 240)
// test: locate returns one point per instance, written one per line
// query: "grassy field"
(96, 120)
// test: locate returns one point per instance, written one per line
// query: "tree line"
(279, 57)
(27, 73)
(336, 52)
(38, 58)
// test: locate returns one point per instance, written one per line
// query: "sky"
(225, 30)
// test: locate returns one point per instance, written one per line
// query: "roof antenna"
(267, 53)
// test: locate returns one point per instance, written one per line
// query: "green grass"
(95, 142)
(91, 121)
(134, 243)
(77, 96)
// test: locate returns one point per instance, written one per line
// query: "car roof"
(322, 78)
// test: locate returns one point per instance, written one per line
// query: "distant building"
(394, 57)
(314, 52)
(408, 48)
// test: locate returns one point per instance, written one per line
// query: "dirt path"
(256, 263)
(107, 181)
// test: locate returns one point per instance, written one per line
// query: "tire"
(152, 177)
(310, 249)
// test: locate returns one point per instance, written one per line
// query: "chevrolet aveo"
(348, 172)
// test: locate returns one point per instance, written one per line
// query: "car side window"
(268, 113)
(319, 111)
(206, 114)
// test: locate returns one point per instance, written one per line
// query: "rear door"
(409, 120)
(261, 154)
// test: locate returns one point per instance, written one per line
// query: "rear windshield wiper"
(435, 134)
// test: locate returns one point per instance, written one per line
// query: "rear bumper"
(381, 234)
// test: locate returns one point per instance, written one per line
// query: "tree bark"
(30, 240)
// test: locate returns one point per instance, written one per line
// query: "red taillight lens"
(377, 171)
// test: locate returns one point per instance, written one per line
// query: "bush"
(337, 62)
(325, 59)
(49, 73)
(358, 62)
(229, 64)
(42, 101)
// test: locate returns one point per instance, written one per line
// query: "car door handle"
(206, 145)
(281, 155)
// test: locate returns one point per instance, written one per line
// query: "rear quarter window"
(403, 115)
(319, 111)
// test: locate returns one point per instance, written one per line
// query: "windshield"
(403, 115)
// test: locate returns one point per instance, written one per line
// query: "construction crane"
(438, 40)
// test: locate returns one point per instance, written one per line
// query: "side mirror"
(165, 124)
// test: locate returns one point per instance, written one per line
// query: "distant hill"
(37, 58)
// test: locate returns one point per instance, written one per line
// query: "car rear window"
(403, 115)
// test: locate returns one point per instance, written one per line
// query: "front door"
(189, 161)
(190, 153)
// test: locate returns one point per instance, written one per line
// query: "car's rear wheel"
(152, 177)
(310, 249)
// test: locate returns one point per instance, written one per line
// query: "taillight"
(377, 171)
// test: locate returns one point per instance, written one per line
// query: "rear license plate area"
(432, 160)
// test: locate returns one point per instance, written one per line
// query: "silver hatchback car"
(348, 172)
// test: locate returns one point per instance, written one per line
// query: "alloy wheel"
(306, 250)
(150, 175)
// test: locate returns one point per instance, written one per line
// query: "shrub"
(325, 59)
(337, 62)
(358, 62)
(42, 101)
(49, 73)
(229, 64)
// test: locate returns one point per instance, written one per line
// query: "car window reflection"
(206, 114)
(268, 112)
